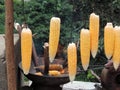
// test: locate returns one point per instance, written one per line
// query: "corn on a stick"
(94, 33)
(26, 49)
(116, 55)
(109, 40)
(72, 61)
(85, 48)
(54, 37)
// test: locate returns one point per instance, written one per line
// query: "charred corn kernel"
(109, 40)
(26, 49)
(72, 61)
(85, 47)
(116, 55)
(94, 33)
(54, 73)
(54, 37)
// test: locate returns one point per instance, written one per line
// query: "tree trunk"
(9, 44)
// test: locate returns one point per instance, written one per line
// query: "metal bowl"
(46, 80)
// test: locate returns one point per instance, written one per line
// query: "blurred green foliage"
(2, 16)
(74, 15)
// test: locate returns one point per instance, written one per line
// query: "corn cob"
(54, 73)
(94, 33)
(54, 37)
(85, 47)
(39, 74)
(51, 67)
(116, 55)
(72, 61)
(109, 40)
(26, 49)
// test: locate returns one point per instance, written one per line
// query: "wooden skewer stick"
(46, 59)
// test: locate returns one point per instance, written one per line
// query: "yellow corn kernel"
(94, 33)
(85, 47)
(116, 55)
(72, 61)
(26, 49)
(54, 37)
(109, 40)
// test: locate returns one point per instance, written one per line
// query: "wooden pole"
(9, 44)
